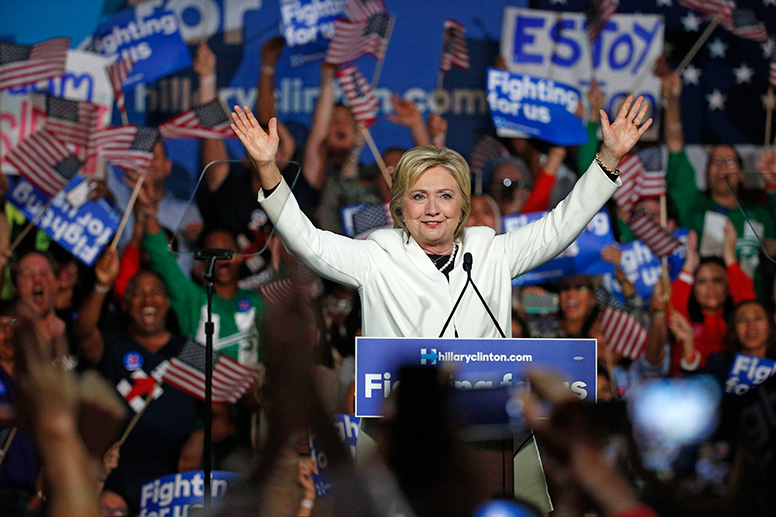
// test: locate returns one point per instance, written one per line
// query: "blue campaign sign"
(347, 426)
(643, 269)
(83, 231)
(175, 494)
(541, 108)
(480, 363)
(748, 371)
(308, 26)
(153, 41)
(582, 257)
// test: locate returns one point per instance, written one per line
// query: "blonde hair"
(418, 160)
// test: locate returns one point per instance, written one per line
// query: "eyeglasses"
(730, 162)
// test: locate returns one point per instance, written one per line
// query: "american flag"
(598, 16)
(118, 73)
(371, 217)
(486, 149)
(657, 238)
(722, 7)
(45, 162)
(623, 333)
(454, 50)
(631, 174)
(359, 95)
(653, 180)
(69, 120)
(354, 39)
(187, 373)
(744, 23)
(131, 147)
(207, 121)
(772, 73)
(23, 64)
(360, 10)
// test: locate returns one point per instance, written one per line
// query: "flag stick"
(30, 225)
(768, 115)
(664, 224)
(132, 423)
(437, 90)
(379, 66)
(127, 212)
(7, 444)
(698, 44)
(376, 153)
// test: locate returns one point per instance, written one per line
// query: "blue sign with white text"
(541, 108)
(153, 41)
(82, 231)
(479, 363)
(175, 494)
(748, 371)
(582, 257)
(308, 26)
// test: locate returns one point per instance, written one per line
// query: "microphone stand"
(467, 266)
(210, 255)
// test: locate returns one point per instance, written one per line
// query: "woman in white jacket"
(409, 277)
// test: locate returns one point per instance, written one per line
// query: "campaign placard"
(643, 268)
(478, 363)
(152, 39)
(582, 257)
(175, 494)
(347, 427)
(83, 231)
(308, 26)
(554, 45)
(540, 108)
(748, 371)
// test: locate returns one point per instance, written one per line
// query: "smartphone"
(545, 303)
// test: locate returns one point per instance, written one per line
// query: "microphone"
(467, 263)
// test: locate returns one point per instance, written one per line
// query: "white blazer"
(402, 292)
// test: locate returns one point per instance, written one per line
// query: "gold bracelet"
(606, 169)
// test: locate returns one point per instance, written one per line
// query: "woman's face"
(576, 302)
(711, 287)
(481, 214)
(752, 328)
(723, 161)
(432, 210)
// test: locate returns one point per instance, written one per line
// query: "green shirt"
(695, 209)
(236, 321)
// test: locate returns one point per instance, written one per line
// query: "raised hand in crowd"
(437, 129)
(306, 468)
(576, 463)
(766, 166)
(654, 351)
(692, 258)
(85, 329)
(671, 90)
(51, 403)
(683, 332)
(407, 115)
(729, 247)
(595, 97)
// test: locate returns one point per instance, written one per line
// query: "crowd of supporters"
(134, 311)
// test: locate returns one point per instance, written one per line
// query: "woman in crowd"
(702, 298)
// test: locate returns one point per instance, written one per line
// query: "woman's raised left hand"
(622, 134)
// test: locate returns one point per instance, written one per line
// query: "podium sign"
(478, 363)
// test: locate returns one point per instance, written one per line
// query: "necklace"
(450, 259)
